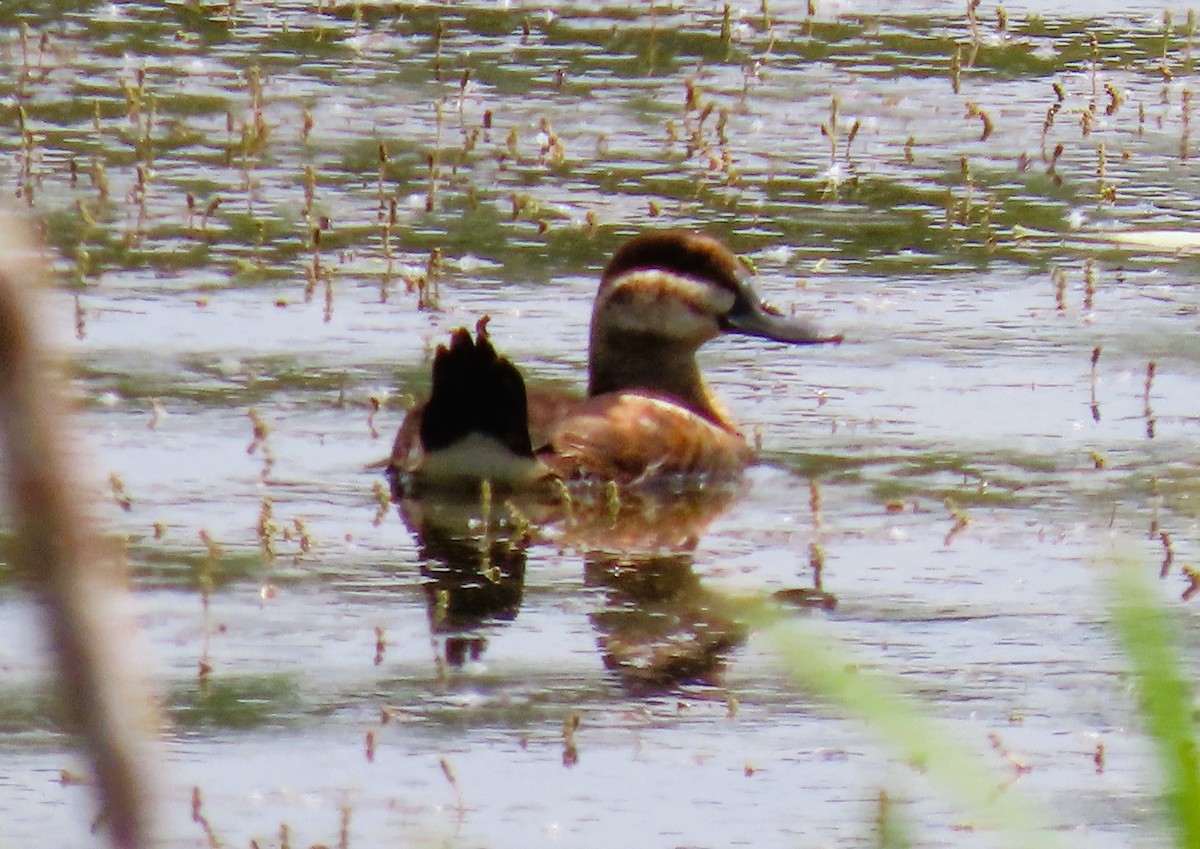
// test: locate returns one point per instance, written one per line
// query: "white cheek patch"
(665, 304)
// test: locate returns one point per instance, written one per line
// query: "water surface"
(871, 160)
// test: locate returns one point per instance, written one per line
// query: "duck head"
(662, 296)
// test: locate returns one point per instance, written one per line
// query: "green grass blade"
(1149, 638)
(828, 670)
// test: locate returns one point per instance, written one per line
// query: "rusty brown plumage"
(631, 437)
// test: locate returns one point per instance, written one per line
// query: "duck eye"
(747, 302)
(742, 306)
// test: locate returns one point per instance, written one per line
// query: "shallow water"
(967, 374)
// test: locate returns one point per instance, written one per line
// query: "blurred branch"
(57, 551)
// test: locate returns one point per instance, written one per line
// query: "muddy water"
(362, 688)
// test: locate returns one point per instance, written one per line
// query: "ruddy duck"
(648, 413)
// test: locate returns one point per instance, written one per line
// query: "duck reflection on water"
(657, 627)
(631, 475)
(474, 569)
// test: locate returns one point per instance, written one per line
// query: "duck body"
(648, 415)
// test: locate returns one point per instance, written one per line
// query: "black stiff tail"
(475, 391)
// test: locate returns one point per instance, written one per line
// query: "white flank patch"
(480, 457)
